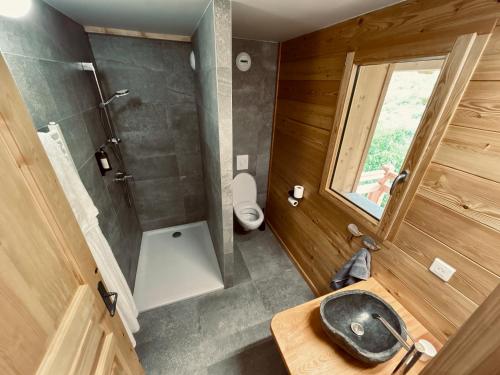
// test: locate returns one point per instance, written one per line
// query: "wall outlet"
(241, 162)
(441, 269)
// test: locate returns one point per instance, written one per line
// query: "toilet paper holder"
(294, 201)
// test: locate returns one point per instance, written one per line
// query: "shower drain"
(176, 234)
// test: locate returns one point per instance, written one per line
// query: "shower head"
(117, 94)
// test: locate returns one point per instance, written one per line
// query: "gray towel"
(356, 269)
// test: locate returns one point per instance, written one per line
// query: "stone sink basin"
(347, 318)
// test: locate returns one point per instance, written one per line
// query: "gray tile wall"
(158, 124)
(253, 106)
(212, 45)
(43, 51)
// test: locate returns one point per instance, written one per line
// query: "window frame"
(456, 71)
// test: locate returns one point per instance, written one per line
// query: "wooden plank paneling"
(489, 66)
(450, 302)
(314, 137)
(315, 92)
(309, 250)
(320, 116)
(488, 69)
(305, 164)
(326, 68)
(469, 195)
(424, 310)
(466, 236)
(435, 23)
(472, 280)
(483, 91)
(136, 34)
(478, 114)
(307, 94)
(471, 150)
(480, 106)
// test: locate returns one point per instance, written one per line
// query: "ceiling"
(280, 20)
(162, 16)
(275, 20)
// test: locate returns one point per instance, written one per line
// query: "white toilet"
(246, 209)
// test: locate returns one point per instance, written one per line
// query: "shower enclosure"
(175, 140)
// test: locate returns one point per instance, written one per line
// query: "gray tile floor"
(226, 332)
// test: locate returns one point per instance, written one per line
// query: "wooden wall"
(456, 212)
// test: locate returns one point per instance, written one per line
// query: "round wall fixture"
(243, 61)
(192, 60)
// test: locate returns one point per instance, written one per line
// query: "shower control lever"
(122, 177)
(114, 140)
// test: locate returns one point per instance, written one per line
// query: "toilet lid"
(244, 189)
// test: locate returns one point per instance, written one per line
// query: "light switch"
(241, 162)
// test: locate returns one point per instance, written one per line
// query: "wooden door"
(52, 318)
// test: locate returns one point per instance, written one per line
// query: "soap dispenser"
(103, 161)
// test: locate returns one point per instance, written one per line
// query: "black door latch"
(109, 298)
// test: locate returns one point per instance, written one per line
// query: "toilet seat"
(245, 206)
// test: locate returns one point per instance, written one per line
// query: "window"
(383, 113)
(389, 120)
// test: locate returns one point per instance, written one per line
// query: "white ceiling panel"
(275, 20)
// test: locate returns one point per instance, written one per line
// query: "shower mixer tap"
(117, 94)
(113, 140)
(122, 177)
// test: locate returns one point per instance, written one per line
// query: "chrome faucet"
(410, 358)
(414, 352)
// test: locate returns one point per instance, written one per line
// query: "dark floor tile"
(262, 358)
(242, 236)
(169, 322)
(178, 356)
(283, 291)
(264, 256)
(232, 310)
(222, 346)
(240, 271)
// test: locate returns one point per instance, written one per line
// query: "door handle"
(399, 178)
(109, 298)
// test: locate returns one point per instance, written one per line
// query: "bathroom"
(193, 180)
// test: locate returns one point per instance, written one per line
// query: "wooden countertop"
(306, 349)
